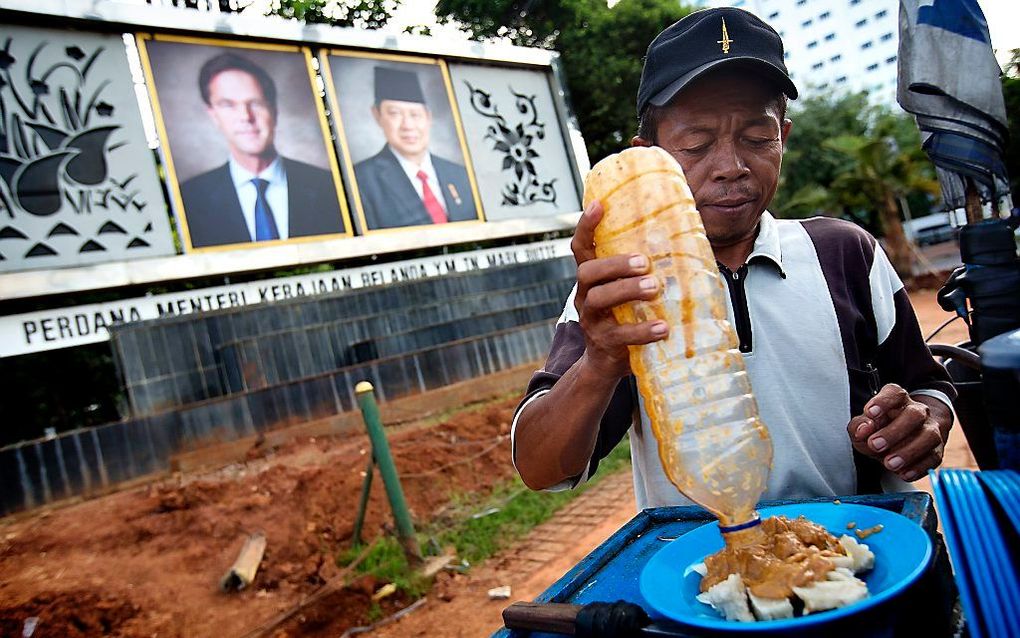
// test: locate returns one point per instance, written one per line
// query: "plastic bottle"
(712, 444)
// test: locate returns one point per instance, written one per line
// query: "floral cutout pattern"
(55, 146)
(524, 187)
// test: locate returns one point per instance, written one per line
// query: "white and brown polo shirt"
(823, 322)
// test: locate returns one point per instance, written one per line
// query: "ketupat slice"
(729, 598)
(712, 444)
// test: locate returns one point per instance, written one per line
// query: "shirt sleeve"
(902, 356)
(566, 349)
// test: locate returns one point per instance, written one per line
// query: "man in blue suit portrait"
(257, 195)
(404, 184)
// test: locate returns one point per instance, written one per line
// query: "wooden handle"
(557, 618)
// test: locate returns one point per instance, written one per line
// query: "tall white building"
(834, 45)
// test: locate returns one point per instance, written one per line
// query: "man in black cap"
(404, 184)
(852, 398)
(257, 195)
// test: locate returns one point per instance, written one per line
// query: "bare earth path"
(554, 547)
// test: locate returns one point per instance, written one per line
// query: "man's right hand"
(601, 285)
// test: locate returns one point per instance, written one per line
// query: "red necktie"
(432, 205)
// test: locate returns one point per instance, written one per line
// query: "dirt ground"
(146, 562)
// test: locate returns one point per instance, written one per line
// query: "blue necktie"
(265, 225)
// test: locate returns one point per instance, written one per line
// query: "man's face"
(241, 112)
(726, 133)
(405, 125)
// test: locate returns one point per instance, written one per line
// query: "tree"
(601, 51)
(363, 14)
(808, 166)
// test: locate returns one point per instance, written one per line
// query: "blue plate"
(902, 553)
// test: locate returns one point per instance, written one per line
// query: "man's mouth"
(730, 203)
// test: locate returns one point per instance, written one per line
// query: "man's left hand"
(906, 434)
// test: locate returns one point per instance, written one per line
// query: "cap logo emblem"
(725, 42)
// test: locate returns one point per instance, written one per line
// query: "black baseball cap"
(705, 40)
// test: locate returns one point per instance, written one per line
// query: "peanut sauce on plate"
(786, 554)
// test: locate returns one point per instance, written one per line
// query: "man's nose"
(248, 112)
(727, 163)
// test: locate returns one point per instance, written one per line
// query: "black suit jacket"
(390, 201)
(214, 212)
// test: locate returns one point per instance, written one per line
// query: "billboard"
(78, 183)
(248, 153)
(67, 327)
(401, 139)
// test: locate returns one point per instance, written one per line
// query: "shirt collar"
(766, 244)
(411, 168)
(274, 173)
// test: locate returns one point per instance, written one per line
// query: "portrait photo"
(400, 136)
(245, 141)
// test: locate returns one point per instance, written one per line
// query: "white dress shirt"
(276, 194)
(411, 169)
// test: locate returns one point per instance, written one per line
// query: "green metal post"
(387, 469)
(366, 488)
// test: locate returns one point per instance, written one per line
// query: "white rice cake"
(770, 608)
(728, 597)
(840, 588)
(861, 556)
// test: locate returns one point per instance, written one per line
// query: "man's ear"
(637, 140)
(375, 114)
(784, 130)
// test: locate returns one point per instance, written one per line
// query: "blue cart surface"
(612, 571)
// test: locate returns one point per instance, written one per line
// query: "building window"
(823, 85)
(872, 67)
(861, 23)
(812, 44)
(801, 3)
(866, 45)
(881, 14)
(773, 15)
(890, 59)
(836, 58)
(825, 15)
(831, 36)
(886, 37)
(853, 2)
(739, 3)
(817, 65)
(786, 55)
(806, 23)
(841, 79)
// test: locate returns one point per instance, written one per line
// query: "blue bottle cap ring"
(740, 526)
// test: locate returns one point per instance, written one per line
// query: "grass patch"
(478, 525)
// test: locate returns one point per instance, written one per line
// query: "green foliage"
(363, 14)
(386, 562)
(478, 525)
(520, 509)
(808, 167)
(827, 148)
(601, 51)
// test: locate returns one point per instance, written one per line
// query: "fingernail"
(638, 261)
(874, 410)
(878, 443)
(910, 476)
(660, 328)
(894, 462)
(648, 283)
(864, 429)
